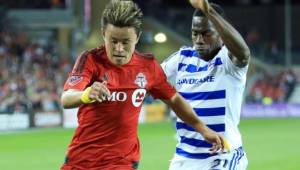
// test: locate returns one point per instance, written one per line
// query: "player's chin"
(202, 52)
(120, 60)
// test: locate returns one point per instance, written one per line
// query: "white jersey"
(215, 90)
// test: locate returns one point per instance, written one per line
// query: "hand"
(203, 5)
(99, 91)
(215, 139)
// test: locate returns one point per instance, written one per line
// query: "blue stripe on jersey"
(216, 111)
(180, 65)
(189, 53)
(215, 127)
(204, 95)
(236, 158)
(232, 160)
(195, 142)
(204, 68)
(243, 153)
(239, 153)
(218, 61)
(191, 68)
(194, 155)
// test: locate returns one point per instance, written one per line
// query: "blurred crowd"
(265, 40)
(31, 74)
(33, 4)
(265, 44)
(272, 88)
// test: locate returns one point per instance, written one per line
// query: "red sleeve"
(82, 73)
(161, 88)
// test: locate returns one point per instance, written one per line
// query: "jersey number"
(219, 163)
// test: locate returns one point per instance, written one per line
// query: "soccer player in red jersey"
(108, 84)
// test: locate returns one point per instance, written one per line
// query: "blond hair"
(122, 13)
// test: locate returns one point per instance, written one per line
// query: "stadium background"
(40, 39)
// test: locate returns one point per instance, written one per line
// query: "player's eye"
(125, 42)
(194, 33)
(207, 33)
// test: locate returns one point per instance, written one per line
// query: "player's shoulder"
(222, 56)
(186, 51)
(97, 52)
(223, 52)
(183, 50)
(189, 48)
(177, 55)
(145, 57)
(91, 53)
(88, 56)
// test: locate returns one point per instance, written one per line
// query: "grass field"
(271, 144)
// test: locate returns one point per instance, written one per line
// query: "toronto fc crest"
(140, 80)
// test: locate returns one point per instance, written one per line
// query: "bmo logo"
(138, 96)
(117, 96)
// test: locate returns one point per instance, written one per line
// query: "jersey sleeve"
(161, 88)
(230, 67)
(170, 67)
(82, 73)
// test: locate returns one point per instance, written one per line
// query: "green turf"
(271, 144)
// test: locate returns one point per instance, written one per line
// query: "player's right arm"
(81, 88)
(72, 98)
(239, 50)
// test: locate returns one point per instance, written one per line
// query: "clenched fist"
(99, 91)
(203, 5)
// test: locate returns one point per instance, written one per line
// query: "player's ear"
(138, 36)
(220, 41)
(103, 33)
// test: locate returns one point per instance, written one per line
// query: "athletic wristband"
(85, 96)
(226, 145)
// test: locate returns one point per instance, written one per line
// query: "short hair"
(122, 13)
(216, 7)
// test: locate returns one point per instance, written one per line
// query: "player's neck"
(211, 55)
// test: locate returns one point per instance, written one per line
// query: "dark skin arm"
(239, 51)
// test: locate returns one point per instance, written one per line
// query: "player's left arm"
(239, 51)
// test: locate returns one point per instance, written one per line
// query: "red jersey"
(106, 138)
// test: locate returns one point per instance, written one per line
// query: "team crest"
(141, 80)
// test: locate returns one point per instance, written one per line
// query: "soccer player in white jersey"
(211, 75)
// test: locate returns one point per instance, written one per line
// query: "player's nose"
(119, 47)
(199, 39)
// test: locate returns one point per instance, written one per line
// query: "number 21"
(220, 162)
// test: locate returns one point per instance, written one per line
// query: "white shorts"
(235, 160)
